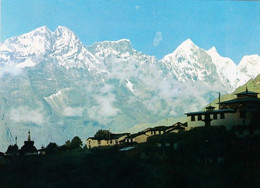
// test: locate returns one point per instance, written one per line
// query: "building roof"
(178, 127)
(116, 136)
(247, 92)
(162, 127)
(211, 112)
(210, 107)
(136, 134)
(241, 100)
(158, 128)
(112, 136)
(28, 147)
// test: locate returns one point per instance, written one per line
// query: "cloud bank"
(72, 112)
(24, 114)
(9, 68)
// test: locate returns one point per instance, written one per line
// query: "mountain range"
(56, 87)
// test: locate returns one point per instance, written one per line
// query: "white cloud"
(10, 68)
(105, 107)
(137, 7)
(157, 38)
(72, 112)
(24, 114)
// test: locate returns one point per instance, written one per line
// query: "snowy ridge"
(41, 44)
(116, 49)
(189, 62)
(76, 90)
(250, 66)
(226, 69)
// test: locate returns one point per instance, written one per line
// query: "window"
(192, 118)
(99, 142)
(215, 116)
(199, 117)
(222, 116)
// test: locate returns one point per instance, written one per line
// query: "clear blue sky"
(233, 27)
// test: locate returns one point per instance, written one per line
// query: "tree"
(12, 150)
(52, 148)
(76, 143)
(67, 143)
(102, 134)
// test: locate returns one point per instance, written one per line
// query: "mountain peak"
(115, 48)
(43, 29)
(250, 59)
(187, 43)
(117, 42)
(65, 37)
(187, 46)
(213, 51)
(64, 31)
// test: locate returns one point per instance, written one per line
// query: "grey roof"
(162, 127)
(211, 112)
(136, 134)
(241, 100)
(112, 136)
(246, 92)
(116, 136)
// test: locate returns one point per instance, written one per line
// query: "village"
(241, 111)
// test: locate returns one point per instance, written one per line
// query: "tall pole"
(29, 135)
(109, 136)
(219, 100)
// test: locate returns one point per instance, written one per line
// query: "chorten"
(28, 148)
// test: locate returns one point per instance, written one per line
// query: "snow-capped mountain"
(58, 88)
(61, 46)
(250, 66)
(189, 62)
(226, 69)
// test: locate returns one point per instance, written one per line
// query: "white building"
(243, 110)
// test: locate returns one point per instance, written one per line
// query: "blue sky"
(155, 27)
